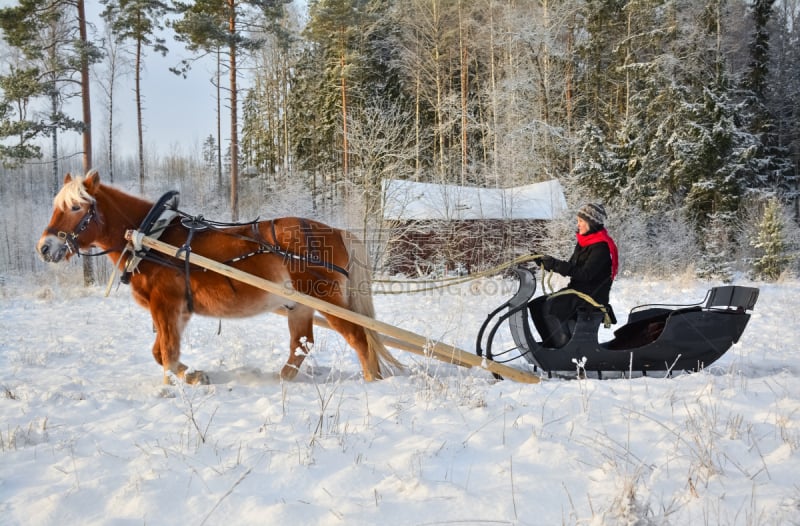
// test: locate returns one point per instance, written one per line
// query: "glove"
(547, 262)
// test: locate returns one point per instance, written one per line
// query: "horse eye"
(76, 208)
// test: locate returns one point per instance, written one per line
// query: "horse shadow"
(253, 376)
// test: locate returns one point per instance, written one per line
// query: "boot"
(557, 335)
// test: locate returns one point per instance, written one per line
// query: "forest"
(681, 116)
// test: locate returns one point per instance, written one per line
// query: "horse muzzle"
(52, 249)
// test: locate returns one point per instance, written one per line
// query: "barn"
(438, 228)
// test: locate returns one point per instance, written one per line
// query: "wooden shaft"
(438, 350)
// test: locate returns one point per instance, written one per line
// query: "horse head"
(74, 224)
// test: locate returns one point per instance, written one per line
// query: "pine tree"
(597, 168)
(210, 152)
(329, 83)
(712, 156)
(54, 34)
(17, 123)
(771, 243)
(784, 100)
(51, 38)
(210, 25)
(717, 257)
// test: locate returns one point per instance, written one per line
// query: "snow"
(410, 200)
(89, 435)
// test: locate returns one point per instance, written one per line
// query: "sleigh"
(655, 337)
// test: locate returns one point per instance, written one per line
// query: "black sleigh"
(655, 337)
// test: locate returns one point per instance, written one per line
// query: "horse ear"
(92, 181)
(67, 178)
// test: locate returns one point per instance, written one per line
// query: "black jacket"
(589, 270)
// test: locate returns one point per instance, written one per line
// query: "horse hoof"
(196, 378)
(289, 372)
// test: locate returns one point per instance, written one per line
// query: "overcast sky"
(177, 111)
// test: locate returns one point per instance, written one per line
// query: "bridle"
(71, 238)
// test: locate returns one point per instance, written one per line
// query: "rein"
(448, 282)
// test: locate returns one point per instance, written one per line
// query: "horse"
(302, 254)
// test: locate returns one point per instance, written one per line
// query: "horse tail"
(360, 299)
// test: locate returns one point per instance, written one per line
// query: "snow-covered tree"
(762, 110)
(716, 261)
(771, 243)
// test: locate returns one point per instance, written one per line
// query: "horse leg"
(357, 338)
(301, 335)
(169, 321)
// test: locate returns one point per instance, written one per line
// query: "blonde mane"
(73, 193)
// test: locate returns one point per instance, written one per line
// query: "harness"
(164, 212)
(157, 219)
(71, 238)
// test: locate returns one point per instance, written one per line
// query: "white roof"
(408, 200)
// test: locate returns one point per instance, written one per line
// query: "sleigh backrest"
(732, 297)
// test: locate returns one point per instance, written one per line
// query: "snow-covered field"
(89, 435)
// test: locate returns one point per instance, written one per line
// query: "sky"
(178, 112)
(89, 435)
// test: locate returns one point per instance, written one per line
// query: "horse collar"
(157, 219)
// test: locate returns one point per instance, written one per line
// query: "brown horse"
(305, 255)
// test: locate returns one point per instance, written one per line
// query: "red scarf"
(602, 236)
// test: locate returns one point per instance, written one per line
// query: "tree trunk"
(54, 142)
(219, 119)
(568, 88)
(495, 132)
(345, 167)
(234, 121)
(111, 125)
(88, 272)
(464, 80)
(140, 131)
(437, 58)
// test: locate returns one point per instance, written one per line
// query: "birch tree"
(117, 66)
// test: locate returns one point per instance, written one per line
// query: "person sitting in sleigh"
(591, 269)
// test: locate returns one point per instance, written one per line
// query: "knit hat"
(593, 213)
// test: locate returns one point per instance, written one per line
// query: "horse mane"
(73, 193)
